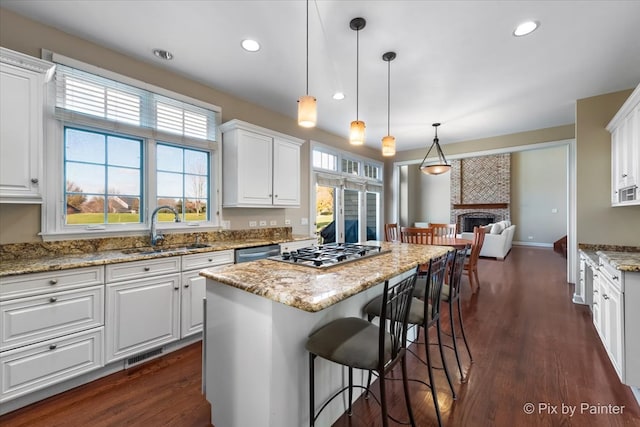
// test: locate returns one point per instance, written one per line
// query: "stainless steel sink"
(148, 250)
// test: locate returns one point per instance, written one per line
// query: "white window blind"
(79, 94)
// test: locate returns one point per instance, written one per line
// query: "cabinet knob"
(34, 180)
(269, 195)
(186, 286)
(53, 299)
(147, 268)
(210, 259)
(176, 288)
(624, 175)
(52, 347)
(605, 296)
(595, 291)
(53, 281)
(276, 195)
(615, 277)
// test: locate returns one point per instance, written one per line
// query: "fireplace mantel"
(480, 205)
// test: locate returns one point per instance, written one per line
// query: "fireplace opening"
(475, 221)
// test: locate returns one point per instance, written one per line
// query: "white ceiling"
(457, 61)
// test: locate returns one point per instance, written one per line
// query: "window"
(182, 182)
(118, 148)
(347, 202)
(102, 177)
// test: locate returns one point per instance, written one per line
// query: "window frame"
(348, 180)
(53, 212)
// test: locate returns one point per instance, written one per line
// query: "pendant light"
(307, 108)
(356, 133)
(439, 166)
(389, 142)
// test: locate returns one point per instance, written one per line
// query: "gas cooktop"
(329, 255)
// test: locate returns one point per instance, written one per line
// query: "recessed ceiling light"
(250, 45)
(163, 54)
(525, 28)
(338, 96)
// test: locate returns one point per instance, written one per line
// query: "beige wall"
(538, 186)
(21, 223)
(598, 222)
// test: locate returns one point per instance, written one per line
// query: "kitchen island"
(258, 317)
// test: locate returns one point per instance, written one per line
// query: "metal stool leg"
(455, 340)
(434, 394)
(444, 362)
(464, 337)
(312, 409)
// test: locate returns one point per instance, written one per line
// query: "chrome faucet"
(156, 236)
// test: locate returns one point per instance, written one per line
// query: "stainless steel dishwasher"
(255, 253)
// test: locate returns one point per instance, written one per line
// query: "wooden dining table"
(455, 242)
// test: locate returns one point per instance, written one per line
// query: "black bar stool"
(357, 343)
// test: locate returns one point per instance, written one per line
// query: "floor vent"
(136, 360)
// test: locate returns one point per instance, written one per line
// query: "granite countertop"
(311, 289)
(623, 261)
(11, 267)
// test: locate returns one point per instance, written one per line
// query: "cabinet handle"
(624, 175)
(595, 303)
(34, 180)
(210, 259)
(53, 299)
(595, 291)
(186, 286)
(53, 281)
(605, 296)
(176, 288)
(147, 268)
(615, 277)
(52, 347)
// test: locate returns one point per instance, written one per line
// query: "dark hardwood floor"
(530, 343)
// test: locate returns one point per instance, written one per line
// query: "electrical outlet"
(263, 223)
(273, 222)
(530, 237)
(554, 210)
(287, 222)
(253, 224)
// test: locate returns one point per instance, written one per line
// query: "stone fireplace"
(480, 190)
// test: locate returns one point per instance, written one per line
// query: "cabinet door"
(141, 315)
(596, 307)
(255, 168)
(286, 173)
(20, 135)
(613, 322)
(192, 294)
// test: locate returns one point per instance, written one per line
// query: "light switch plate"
(263, 223)
(253, 224)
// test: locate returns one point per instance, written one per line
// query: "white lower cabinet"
(52, 328)
(33, 367)
(194, 288)
(615, 295)
(144, 313)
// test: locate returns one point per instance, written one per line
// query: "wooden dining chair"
(471, 266)
(418, 235)
(391, 232)
(444, 230)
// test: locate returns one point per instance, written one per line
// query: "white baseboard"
(538, 245)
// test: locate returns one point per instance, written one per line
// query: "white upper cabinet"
(260, 167)
(625, 152)
(22, 80)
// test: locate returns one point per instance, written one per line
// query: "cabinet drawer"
(142, 269)
(33, 319)
(205, 260)
(612, 275)
(27, 369)
(38, 283)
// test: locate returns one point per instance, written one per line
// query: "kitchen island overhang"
(259, 315)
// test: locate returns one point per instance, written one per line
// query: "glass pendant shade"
(389, 146)
(435, 167)
(307, 111)
(356, 134)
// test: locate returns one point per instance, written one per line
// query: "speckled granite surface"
(623, 261)
(623, 258)
(312, 290)
(23, 258)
